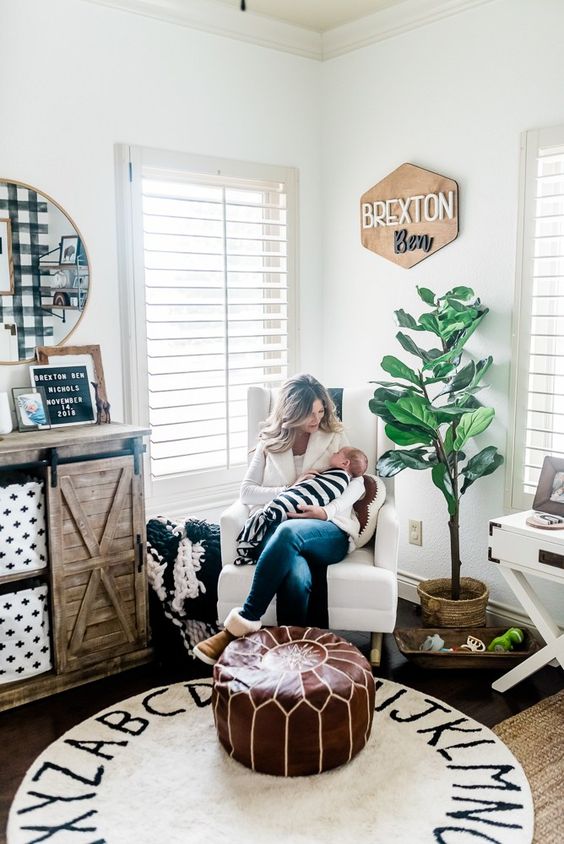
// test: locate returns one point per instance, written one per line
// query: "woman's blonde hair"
(293, 406)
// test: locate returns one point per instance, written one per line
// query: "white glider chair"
(361, 590)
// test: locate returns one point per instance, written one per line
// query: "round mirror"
(44, 272)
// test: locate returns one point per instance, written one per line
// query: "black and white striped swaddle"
(318, 491)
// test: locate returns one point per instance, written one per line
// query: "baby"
(319, 490)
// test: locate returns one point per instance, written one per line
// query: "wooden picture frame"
(6, 260)
(51, 354)
(549, 497)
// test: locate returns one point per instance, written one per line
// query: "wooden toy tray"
(410, 639)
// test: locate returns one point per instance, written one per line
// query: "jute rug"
(151, 770)
(536, 737)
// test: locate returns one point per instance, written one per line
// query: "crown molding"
(390, 22)
(228, 21)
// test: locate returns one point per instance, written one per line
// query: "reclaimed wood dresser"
(92, 482)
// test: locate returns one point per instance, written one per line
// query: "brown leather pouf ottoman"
(292, 701)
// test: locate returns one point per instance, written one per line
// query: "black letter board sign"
(68, 393)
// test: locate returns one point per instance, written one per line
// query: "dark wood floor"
(27, 730)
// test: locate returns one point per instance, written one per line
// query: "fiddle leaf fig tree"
(431, 409)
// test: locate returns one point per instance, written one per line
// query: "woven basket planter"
(439, 610)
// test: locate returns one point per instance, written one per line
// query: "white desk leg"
(530, 665)
(544, 623)
(523, 590)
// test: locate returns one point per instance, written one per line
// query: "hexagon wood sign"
(409, 215)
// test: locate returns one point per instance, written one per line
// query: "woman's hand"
(309, 511)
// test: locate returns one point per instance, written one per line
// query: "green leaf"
(397, 369)
(462, 379)
(467, 333)
(410, 346)
(451, 357)
(481, 368)
(429, 322)
(455, 337)
(468, 402)
(461, 293)
(472, 424)
(455, 316)
(407, 388)
(407, 321)
(484, 463)
(394, 461)
(408, 435)
(441, 479)
(414, 410)
(469, 391)
(426, 295)
(382, 395)
(450, 413)
(449, 439)
(465, 312)
(440, 371)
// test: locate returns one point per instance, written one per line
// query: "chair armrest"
(386, 542)
(230, 523)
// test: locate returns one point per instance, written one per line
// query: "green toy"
(505, 642)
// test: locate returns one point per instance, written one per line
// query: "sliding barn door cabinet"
(94, 575)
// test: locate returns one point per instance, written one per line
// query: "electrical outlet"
(415, 532)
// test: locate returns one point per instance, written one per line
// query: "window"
(213, 308)
(538, 374)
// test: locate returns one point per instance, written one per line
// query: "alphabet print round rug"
(150, 769)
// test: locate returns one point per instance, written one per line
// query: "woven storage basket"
(439, 610)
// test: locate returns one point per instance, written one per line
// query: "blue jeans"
(292, 554)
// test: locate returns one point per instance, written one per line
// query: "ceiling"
(318, 15)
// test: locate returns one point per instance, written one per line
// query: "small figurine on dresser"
(102, 406)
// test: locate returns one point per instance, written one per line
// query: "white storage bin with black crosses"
(23, 538)
(25, 647)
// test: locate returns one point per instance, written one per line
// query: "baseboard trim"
(498, 613)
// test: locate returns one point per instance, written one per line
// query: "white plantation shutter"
(539, 362)
(214, 308)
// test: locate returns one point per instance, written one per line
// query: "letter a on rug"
(150, 769)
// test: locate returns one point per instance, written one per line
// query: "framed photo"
(69, 249)
(31, 408)
(90, 356)
(549, 497)
(6, 262)
(69, 396)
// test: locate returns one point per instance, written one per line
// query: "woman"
(297, 440)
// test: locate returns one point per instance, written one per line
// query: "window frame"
(531, 142)
(187, 491)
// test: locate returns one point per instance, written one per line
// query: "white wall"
(453, 97)
(77, 78)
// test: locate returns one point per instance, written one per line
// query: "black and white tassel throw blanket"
(183, 566)
(318, 491)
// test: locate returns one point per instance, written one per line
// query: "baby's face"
(339, 460)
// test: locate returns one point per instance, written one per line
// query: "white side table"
(522, 551)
